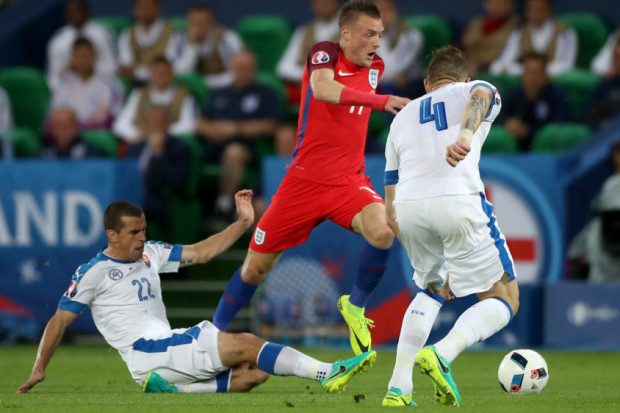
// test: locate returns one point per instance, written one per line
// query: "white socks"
(477, 323)
(417, 324)
(291, 362)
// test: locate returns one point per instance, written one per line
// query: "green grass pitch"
(95, 379)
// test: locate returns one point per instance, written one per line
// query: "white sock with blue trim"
(281, 360)
(477, 323)
(417, 324)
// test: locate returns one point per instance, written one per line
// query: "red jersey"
(331, 138)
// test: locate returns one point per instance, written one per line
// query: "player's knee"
(254, 273)
(381, 237)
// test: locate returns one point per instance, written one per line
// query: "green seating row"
(552, 138)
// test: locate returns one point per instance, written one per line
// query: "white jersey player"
(436, 205)
(121, 286)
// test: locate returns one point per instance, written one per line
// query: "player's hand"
(35, 378)
(245, 210)
(456, 152)
(395, 103)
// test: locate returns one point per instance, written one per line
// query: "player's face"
(146, 11)
(362, 38)
(129, 242)
(200, 22)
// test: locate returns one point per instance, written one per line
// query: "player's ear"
(468, 80)
(426, 86)
(345, 34)
(111, 235)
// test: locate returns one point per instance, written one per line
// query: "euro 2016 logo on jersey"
(259, 236)
(320, 57)
(115, 275)
(373, 78)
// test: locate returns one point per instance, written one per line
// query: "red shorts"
(300, 205)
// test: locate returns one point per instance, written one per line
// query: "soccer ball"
(523, 372)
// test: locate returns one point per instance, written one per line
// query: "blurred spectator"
(161, 91)
(543, 34)
(66, 141)
(150, 37)
(6, 124)
(236, 117)
(60, 46)
(400, 50)
(164, 163)
(535, 104)
(95, 98)
(323, 28)
(598, 244)
(486, 36)
(208, 48)
(604, 102)
(603, 63)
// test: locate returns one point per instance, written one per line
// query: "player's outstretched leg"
(154, 383)
(361, 340)
(438, 370)
(396, 398)
(344, 370)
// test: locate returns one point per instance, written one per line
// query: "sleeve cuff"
(72, 306)
(494, 91)
(390, 177)
(175, 254)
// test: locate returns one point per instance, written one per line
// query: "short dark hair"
(83, 41)
(448, 62)
(112, 217)
(351, 9)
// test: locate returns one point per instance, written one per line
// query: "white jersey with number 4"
(416, 147)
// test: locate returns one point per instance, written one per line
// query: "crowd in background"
(129, 84)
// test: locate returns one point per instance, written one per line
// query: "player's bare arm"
(326, 89)
(390, 212)
(474, 113)
(205, 250)
(54, 331)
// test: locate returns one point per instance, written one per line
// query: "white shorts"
(460, 231)
(181, 356)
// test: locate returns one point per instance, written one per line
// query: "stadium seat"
(179, 23)
(103, 140)
(592, 33)
(504, 82)
(196, 86)
(559, 137)
(436, 30)
(273, 81)
(267, 36)
(25, 143)
(194, 178)
(499, 140)
(29, 96)
(116, 24)
(185, 211)
(577, 84)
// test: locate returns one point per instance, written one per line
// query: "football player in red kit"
(325, 179)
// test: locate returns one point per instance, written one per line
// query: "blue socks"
(373, 262)
(236, 295)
